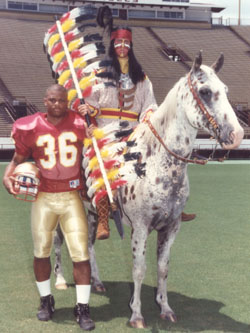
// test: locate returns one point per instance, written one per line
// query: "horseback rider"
(132, 99)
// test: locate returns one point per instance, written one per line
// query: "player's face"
(56, 102)
(122, 47)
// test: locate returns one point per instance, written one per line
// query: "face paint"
(122, 47)
(122, 43)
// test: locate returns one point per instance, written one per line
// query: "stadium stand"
(25, 70)
(162, 72)
(6, 121)
(236, 70)
(242, 32)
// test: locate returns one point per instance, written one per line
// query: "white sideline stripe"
(231, 162)
(209, 163)
(211, 144)
(200, 144)
(6, 143)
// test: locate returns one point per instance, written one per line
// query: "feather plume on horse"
(155, 202)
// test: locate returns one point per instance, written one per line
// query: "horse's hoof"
(99, 288)
(140, 323)
(170, 316)
(61, 286)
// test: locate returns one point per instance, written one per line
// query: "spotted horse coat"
(155, 202)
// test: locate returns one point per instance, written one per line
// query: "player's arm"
(8, 179)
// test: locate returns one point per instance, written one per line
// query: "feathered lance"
(63, 44)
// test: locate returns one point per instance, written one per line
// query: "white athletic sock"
(44, 288)
(83, 293)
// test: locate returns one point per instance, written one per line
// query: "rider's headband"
(121, 34)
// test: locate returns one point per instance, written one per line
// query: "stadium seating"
(25, 70)
(6, 121)
(24, 66)
(236, 70)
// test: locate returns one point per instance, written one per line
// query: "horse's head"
(212, 110)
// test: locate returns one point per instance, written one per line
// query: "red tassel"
(101, 143)
(57, 48)
(96, 174)
(99, 195)
(118, 183)
(103, 193)
(52, 29)
(68, 84)
(80, 73)
(69, 36)
(87, 92)
(90, 154)
(65, 17)
(109, 164)
(64, 65)
(76, 54)
(75, 105)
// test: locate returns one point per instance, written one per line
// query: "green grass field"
(209, 278)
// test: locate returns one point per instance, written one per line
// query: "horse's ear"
(197, 62)
(218, 63)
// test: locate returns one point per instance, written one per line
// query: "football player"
(54, 140)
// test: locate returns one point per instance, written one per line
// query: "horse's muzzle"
(235, 138)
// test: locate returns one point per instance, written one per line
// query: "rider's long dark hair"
(136, 72)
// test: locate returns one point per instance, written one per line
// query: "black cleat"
(47, 308)
(81, 312)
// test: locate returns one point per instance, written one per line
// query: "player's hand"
(84, 109)
(8, 183)
(90, 130)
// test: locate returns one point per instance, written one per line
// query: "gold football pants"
(67, 209)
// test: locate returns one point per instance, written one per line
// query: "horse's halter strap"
(202, 107)
(178, 157)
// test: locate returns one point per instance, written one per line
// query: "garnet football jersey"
(56, 149)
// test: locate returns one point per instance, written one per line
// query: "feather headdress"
(74, 47)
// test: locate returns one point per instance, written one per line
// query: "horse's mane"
(162, 116)
(167, 108)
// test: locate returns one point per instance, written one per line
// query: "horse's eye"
(206, 94)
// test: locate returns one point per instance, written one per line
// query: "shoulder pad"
(28, 122)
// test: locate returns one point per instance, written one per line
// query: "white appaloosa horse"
(155, 202)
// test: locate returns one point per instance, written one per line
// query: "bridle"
(202, 107)
(210, 118)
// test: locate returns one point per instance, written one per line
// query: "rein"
(178, 157)
(211, 120)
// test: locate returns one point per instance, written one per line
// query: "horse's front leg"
(97, 284)
(138, 245)
(164, 243)
(58, 270)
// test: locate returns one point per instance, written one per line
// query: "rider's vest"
(126, 95)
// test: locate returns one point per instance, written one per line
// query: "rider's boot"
(187, 217)
(102, 208)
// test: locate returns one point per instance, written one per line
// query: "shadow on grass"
(193, 314)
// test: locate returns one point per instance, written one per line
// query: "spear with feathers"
(74, 63)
